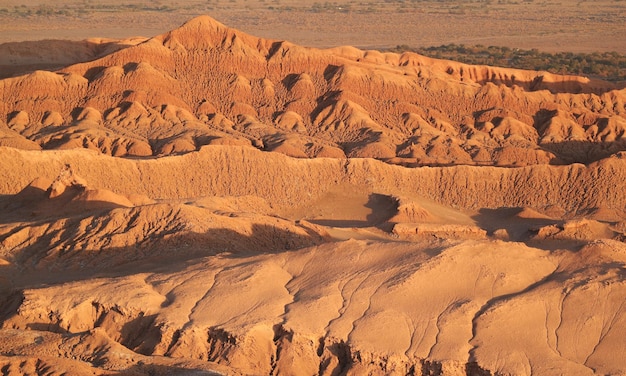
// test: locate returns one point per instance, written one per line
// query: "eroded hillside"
(210, 202)
(205, 84)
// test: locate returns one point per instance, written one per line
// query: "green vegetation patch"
(610, 66)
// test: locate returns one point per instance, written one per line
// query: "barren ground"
(548, 25)
(206, 201)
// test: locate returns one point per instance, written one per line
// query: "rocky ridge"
(206, 84)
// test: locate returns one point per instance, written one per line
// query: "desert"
(179, 196)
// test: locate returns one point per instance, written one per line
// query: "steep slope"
(205, 83)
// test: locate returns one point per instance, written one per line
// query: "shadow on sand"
(44, 55)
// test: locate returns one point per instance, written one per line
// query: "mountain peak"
(204, 32)
(203, 23)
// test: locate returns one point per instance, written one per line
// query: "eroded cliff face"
(205, 83)
(332, 212)
(288, 182)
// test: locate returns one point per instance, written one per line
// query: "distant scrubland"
(610, 66)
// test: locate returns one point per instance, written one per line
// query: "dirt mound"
(36, 352)
(577, 230)
(530, 213)
(12, 138)
(107, 229)
(412, 212)
(66, 195)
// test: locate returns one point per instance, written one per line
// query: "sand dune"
(210, 202)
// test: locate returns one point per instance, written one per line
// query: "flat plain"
(548, 25)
